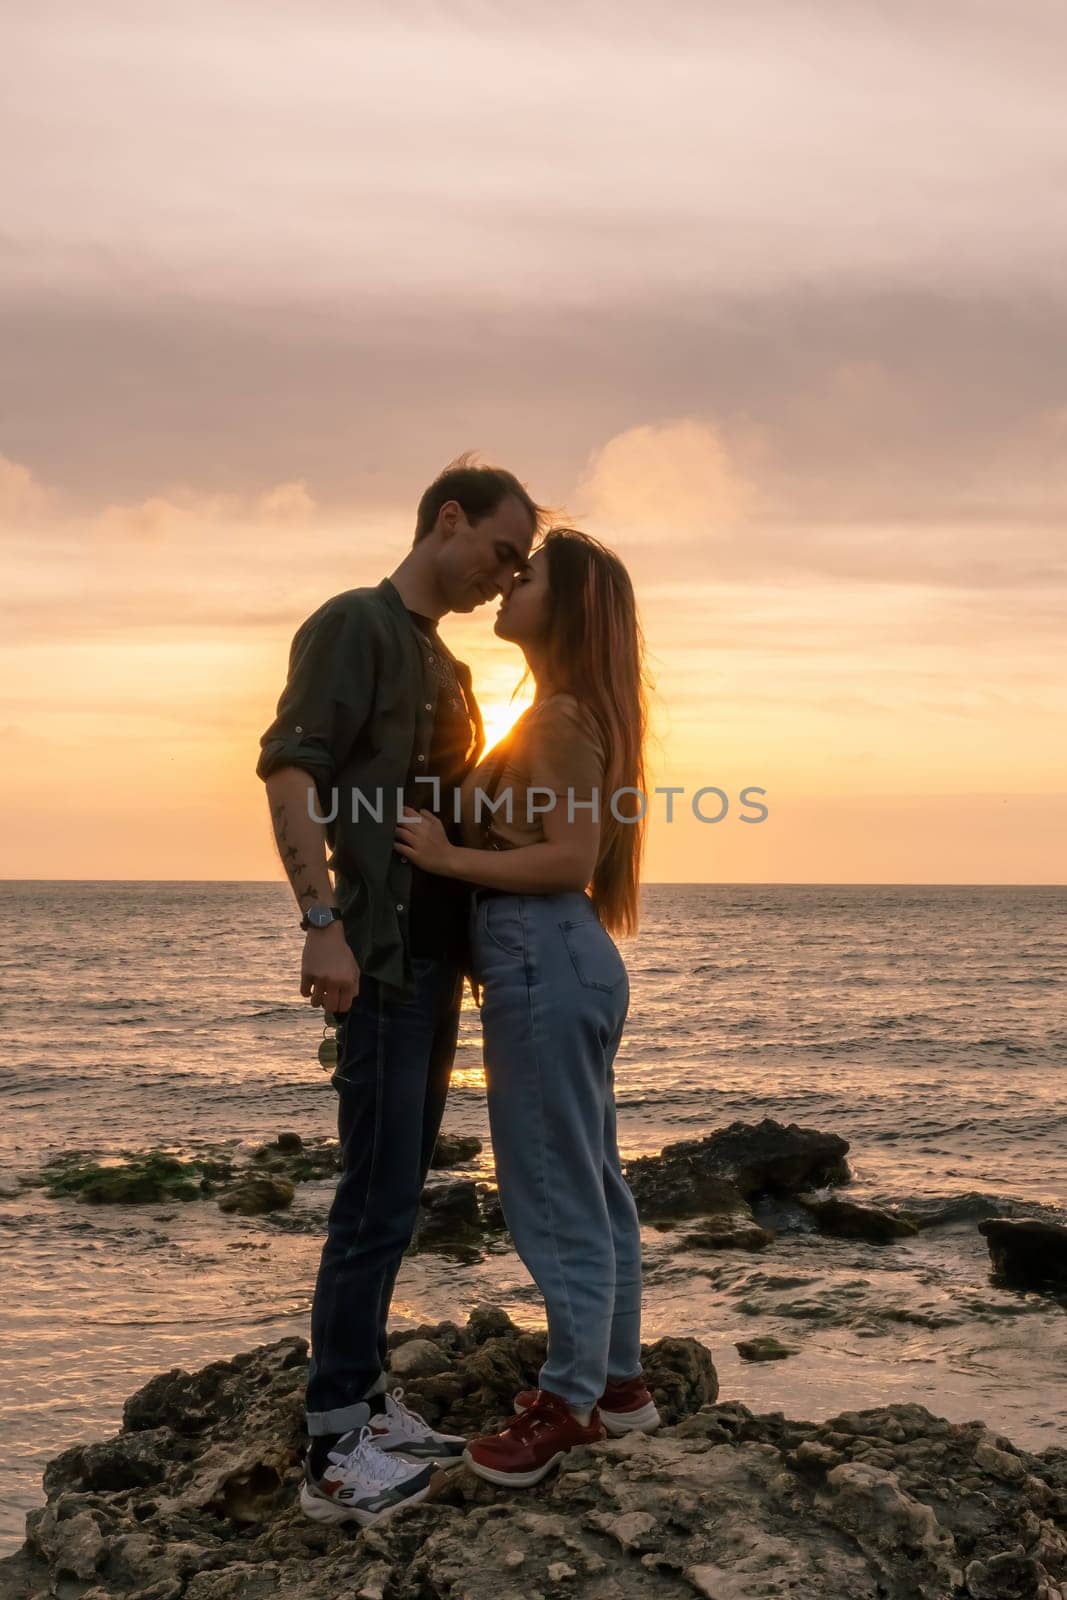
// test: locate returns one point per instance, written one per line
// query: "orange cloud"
(22, 497)
(187, 517)
(674, 479)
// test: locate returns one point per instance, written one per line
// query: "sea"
(927, 1025)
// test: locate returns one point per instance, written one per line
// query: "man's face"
(479, 561)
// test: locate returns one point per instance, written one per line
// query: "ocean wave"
(969, 1206)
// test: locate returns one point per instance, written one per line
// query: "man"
(375, 702)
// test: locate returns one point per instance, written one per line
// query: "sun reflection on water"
(472, 1077)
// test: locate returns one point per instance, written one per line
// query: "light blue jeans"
(554, 1004)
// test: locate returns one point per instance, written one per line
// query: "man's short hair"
(479, 490)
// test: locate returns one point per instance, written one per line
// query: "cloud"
(865, 406)
(22, 497)
(716, 150)
(178, 563)
(841, 221)
(1025, 470)
(187, 518)
(690, 500)
(288, 502)
(675, 479)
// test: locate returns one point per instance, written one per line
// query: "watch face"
(319, 916)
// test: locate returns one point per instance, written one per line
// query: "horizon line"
(651, 883)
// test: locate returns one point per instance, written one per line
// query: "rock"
(128, 1461)
(1029, 1254)
(133, 1554)
(849, 1219)
(870, 1503)
(810, 1453)
(720, 1502)
(1012, 1575)
(455, 1150)
(188, 1403)
(142, 1179)
(489, 1322)
(720, 1172)
(493, 1220)
(238, 1485)
(449, 1217)
(1000, 1463)
(159, 1176)
(764, 1348)
(242, 1580)
(254, 1195)
(452, 1339)
(681, 1375)
(373, 1582)
(631, 1529)
(671, 1186)
(417, 1358)
(73, 1545)
(291, 1158)
(769, 1156)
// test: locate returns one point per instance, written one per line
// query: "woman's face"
(523, 614)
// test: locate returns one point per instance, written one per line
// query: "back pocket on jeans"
(596, 960)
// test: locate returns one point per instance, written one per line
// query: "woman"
(555, 988)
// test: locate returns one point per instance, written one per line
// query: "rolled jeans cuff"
(344, 1418)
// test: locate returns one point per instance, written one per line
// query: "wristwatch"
(320, 916)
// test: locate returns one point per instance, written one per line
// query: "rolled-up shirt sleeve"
(326, 699)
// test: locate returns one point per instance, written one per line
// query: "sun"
(500, 716)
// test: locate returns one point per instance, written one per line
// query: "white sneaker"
(400, 1431)
(364, 1484)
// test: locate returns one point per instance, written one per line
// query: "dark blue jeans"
(394, 1065)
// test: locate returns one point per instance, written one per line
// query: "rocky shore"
(195, 1498)
(706, 1189)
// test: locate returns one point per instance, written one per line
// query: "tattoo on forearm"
(290, 855)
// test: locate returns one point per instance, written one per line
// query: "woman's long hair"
(595, 650)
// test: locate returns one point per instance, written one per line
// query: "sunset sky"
(770, 296)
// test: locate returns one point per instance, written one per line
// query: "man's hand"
(329, 972)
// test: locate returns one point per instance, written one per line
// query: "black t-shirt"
(439, 906)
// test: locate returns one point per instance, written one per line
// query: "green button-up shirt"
(357, 715)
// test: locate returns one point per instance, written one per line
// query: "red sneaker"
(532, 1443)
(626, 1406)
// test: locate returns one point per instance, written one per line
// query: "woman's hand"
(421, 839)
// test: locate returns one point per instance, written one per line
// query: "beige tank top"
(555, 746)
